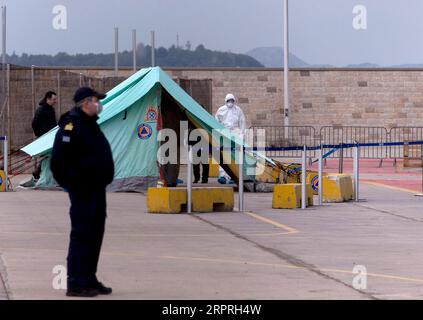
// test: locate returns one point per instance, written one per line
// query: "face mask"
(99, 108)
(230, 104)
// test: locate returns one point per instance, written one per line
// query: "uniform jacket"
(81, 157)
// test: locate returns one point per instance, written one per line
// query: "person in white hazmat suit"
(232, 117)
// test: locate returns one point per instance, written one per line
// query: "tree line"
(171, 57)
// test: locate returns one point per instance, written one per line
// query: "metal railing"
(351, 134)
(278, 137)
(289, 136)
(405, 134)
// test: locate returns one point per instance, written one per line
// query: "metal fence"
(288, 136)
(406, 134)
(4, 103)
(351, 134)
(21, 89)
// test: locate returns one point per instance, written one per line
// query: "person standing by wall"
(233, 118)
(44, 120)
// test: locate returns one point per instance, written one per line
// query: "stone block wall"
(319, 97)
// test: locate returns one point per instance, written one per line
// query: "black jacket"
(81, 158)
(44, 119)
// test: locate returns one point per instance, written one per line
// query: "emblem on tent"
(152, 114)
(145, 131)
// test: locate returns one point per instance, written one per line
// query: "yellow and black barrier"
(204, 199)
(288, 196)
(337, 188)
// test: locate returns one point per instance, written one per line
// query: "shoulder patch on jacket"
(69, 126)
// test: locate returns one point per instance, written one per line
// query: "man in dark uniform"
(82, 164)
(44, 120)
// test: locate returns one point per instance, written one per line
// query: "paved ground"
(261, 254)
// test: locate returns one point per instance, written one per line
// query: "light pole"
(116, 52)
(153, 49)
(3, 9)
(286, 68)
(134, 48)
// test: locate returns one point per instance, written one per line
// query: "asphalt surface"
(260, 254)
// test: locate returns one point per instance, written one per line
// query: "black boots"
(99, 288)
(82, 292)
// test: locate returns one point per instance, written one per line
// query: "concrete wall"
(319, 97)
(367, 97)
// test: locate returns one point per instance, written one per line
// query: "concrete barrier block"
(337, 188)
(214, 169)
(204, 199)
(288, 196)
(223, 199)
(166, 200)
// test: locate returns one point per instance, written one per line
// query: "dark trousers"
(88, 218)
(206, 170)
(37, 171)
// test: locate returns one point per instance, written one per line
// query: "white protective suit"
(232, 117)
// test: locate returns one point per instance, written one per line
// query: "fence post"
(421, 157)
(241, 180)
(33, 90)
(303, 179)
(6, 163)
(59, 93)
(356, 172)
(9, 115)
(321, 176)
(189, 181)
(341, 160)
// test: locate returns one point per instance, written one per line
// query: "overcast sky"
(321, 31)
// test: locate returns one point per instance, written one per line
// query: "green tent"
(134, 112)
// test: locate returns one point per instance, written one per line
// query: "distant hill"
(412, 65)
(172, 57)
(363, 65)
(272, 57)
